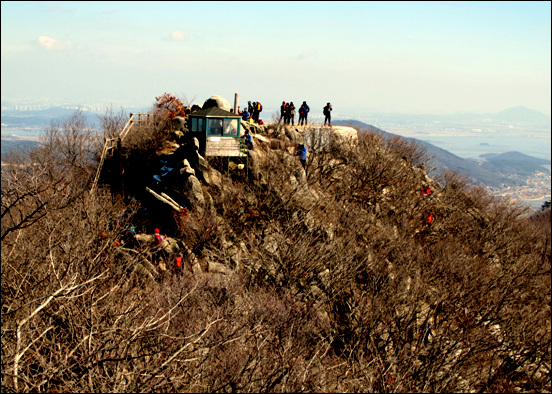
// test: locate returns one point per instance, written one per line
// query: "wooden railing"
(142, 117)
(111, 143)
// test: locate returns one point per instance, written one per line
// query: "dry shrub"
(339, 286)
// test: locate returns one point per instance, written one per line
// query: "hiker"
(302, 153)
(327, 111)
(248, 140)
(286, 114)
(426, 191)
(245, 115)
(303, 113)
(129, 238)
(178, 268)
(253, 110)
(158, 254)
(257, 109)
(158, 240)
(282, 112)
(429, 219)
(291, 114)
(250, 107)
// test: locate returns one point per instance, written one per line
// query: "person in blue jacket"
(302, 153)
(248, 140)
(245, 115)
(303, 113)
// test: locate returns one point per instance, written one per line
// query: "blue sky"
(408, 57)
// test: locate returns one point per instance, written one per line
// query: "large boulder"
(194, 193)
(217, 101)
(179, 123)
(170, 246)
(253, 128)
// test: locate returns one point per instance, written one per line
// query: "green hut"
(218, 132)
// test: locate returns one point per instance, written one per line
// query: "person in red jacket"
(158, 240)
(430, 218)
(426, 191)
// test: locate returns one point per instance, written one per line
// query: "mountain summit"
(522, 114)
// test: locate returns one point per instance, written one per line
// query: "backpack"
(259, 107)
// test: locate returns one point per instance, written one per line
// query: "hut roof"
(215, 111)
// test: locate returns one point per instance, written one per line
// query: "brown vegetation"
(335, 283)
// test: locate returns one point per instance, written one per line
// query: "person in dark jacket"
(327, 111)
(245, 115)
(303, 113)
(282, 112)
(291, 114)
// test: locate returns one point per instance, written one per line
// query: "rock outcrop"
(217, 101)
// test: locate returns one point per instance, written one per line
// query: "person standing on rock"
(291, 114)
(257, 108)
(303, 113)
(282, 112)
(245, 115)
(253, 111)
(327, 111)
(286, 118)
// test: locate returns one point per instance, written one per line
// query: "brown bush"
(339, 285)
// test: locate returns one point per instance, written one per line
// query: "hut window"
(215, 126)
(230, 127)
(197, 125)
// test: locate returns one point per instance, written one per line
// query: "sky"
(377, 57)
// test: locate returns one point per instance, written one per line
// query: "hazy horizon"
(386, 57)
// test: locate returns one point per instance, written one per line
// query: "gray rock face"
(194, 192)
(170, 246)
(215, 267)
(187, 169)
(217, 101)
(179, 123)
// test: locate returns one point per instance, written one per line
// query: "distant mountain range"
(521, 114)
(496, 170)
(515, 115)
(9, 145)
(43, 117)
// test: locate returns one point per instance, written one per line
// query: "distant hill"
(359, 124)
(43, 118)
(13, 145)
(514, 156)
(517, 115)
(521, 114)
(504, 170)
(514, 162)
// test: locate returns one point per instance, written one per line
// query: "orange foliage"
(169, 106)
